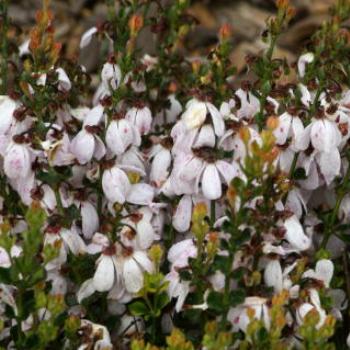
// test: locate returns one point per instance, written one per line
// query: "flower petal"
(211, 184)
(104, 276)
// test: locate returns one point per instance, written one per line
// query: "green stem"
(59, 201)
(212, 213)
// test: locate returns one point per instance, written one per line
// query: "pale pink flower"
(180, 252)
(17, 160)
(120, 135)
(141, 118)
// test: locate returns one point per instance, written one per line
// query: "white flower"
(323, 134)
(239, 318)
(141, 118)
(96, 335)
(295, 234)
(194, 170)
(139, 232)
(289, 127)
(17, 160)
(87, 145)
(303, 61)
(64, 84)
(87, 37)
(273, 276)
(7, 108)
(195, 114)
(160, 157)
(315, 304)
(323, 272)
(126, 268)
(111, 76)
(89, 218)
(177, 288)
(179, 253)
(183, 213)
(115, 184)
(250, 104)
(193, 130)
(120, 135)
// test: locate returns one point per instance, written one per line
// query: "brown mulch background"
(247, 19)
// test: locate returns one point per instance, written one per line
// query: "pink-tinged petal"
(83, 146)
(217, 119)
(100, 148)
(17, 161)
(144, 261)
(205, 138)
(145, 234)
(7, 107)
(160, 167)
(85, 290)
(295, 234)
(273, 275)
(132, 275)
(211, 184)
(330, 164)
(140, 194)
(104, 276)
(90, 219)
(320, 137)
(115, 185)
(250, 104)
(119, 136)
(297, 131)
(174, 111)
(182, 217)
(24, 187)
(5, 261)
(302, 140)
(94, 116)
(228, 171)
(49, 198)
(286, 158)
(305, 95)
(325, 270)
(281, 133)
(143, 120)
(185, 289)
(180, 252)
(190, 169)
(111, 76)
(178, 129)
(87, 37)
(64, 83)
(296, 203)
(73, 241)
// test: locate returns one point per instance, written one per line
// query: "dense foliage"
(178, 206)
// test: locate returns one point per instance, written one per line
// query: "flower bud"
(135, 24)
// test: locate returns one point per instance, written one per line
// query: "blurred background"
(247, 18)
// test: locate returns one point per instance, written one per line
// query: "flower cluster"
(171, 199)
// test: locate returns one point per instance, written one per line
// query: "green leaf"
(139, 308)
(215, 301)
(237, 297)
(160, 301)
(5, 275)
